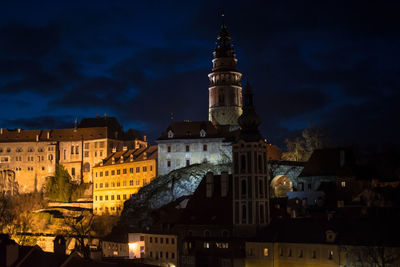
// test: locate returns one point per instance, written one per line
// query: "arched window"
(242, 163)
(170, 134)
(244, 214)
(244, 189)
(260, 186)
(261, 213)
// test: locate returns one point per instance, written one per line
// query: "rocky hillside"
(165, 189)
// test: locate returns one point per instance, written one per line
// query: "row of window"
(20, 149)
(106, 209)
(112, 197)
(187, 148)
(124, 171)
(99, 144)
(161, 239)
(217, 245)
(29, 168)
(187, 162)
(300, 253)
(160, 255)
(118, 184)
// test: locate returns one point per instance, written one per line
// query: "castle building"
(120, 175)
(186, 143)
(190, 142)
(27, 157)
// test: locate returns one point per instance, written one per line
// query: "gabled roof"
(144, 153)
(330, 162)
(191, 130)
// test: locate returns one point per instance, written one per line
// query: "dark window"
(244, 214)
(131, 170)
(187, 148)
(168, 163)
(169, 149)
(187, 162)
(204, 147)
(124, 171)
(242, 163)
(243, 191)
(118, 172)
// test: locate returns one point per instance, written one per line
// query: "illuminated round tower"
(225, 90)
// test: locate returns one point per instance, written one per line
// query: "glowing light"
(132, 246)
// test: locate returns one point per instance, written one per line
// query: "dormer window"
(202, 133)
(170, 134)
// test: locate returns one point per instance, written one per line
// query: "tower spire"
(249, 120)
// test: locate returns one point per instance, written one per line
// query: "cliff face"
(165, 189)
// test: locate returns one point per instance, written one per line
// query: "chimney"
(124, 148)
(122, 159)
(48, 135)
(114, 150)
(145, 138)
(113, 160)
(59, 245)
(98, 116)
(131, 157)
(1, 131)
(105, 115)
(76, 125)
(19, 130)
(145, 155)
(37, 138)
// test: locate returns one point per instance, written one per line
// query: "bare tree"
(379, 255)
(81, 227)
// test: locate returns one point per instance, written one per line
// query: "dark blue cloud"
(329, 63)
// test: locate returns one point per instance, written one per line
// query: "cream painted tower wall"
(225, 90)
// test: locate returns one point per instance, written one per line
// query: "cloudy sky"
(321, 63)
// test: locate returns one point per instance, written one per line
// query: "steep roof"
(192, 129)
(144, 153)
(56, 135)
(330, 162)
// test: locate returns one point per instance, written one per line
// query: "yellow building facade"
(120, 175)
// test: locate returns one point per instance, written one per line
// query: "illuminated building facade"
(32, 155)
(186, 143)
(120, 175)
(154, 249)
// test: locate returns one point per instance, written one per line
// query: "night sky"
(333, 64)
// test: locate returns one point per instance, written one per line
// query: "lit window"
(265, 251)
(330, 255)
(343, 184)
(206, 245)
